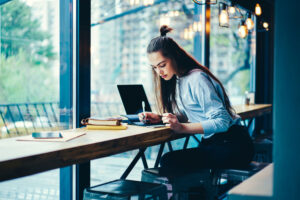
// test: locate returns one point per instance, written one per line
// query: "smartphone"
(46, 135)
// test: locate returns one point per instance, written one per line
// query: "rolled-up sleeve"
(218, 118)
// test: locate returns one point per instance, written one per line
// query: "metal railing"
(24, 118)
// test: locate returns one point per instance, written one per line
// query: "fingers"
(149, 117)
(145, 117)
(168, 115)
(142, 116)
(171, 121)
(169, 118)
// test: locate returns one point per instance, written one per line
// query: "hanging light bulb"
(223, 15)
(224, 19)
(258, 9)
(231, 10)
(249, 22)
(265, 25)
(234, 12)
(262, 26)
(243, 31)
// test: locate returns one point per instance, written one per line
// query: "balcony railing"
(24, 118)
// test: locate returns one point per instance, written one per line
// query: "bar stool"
(196, 185)
(126, 189)
(263, 150)
(239, 175)
(209, 180)
(232, 177)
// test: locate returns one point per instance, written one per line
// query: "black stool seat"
(239, 175)
(125, 189)
(263, 150)
(183, 186)
(210, 179)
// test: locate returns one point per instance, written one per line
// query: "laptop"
(132, 97)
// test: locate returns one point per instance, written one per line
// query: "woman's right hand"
(149, 118)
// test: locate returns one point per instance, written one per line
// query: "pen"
(143, 106)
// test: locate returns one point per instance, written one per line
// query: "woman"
(193, 101)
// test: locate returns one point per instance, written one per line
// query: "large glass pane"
(29, 66)
(30, 77)
(121, 31)
(231, 57)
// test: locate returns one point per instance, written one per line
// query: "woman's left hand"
(172, 121)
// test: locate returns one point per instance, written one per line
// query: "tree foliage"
(21, 81)
(21, 31)
(26, 57)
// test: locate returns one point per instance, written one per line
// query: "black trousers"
(230, 149)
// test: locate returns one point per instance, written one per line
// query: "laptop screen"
(132, 97)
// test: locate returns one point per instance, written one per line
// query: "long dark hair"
(165, 90)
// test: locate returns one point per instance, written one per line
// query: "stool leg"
(179, 196)
(161, 195)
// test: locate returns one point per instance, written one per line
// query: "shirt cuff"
(209, 128)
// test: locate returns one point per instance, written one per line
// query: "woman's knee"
(167, 159)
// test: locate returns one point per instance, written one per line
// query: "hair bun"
(164, 30)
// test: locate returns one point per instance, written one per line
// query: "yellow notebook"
(93, 127)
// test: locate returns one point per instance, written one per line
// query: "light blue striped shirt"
(198, 99)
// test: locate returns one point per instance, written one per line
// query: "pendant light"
(231, 9)
(258, 9)
(243, 31)
(223, 15)
(249, 22)
(263, 26)
(234, 12)
(205, 2)
(266, 25)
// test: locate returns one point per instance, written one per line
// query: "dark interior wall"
(264, 66)
(286, 113)
(264, 60)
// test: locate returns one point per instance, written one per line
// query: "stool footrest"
(242, 174)
(124, 189)
(184, 185)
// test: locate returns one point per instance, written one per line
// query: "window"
(36, 69)
(121, 31)
(31, 74)
(231, 57)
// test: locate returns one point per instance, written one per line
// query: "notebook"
(132, 97)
